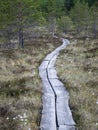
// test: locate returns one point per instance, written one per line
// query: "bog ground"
(21, 87)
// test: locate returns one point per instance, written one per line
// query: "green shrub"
(64, 24)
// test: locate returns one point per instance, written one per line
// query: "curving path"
(56, 114)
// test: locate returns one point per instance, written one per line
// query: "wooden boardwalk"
(56, 114)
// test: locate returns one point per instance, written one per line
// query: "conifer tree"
(18, 13)
(80, 15)
(94, 23)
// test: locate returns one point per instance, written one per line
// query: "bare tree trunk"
(52, 25)
(94, 29)
(7, 36)
(21, 39)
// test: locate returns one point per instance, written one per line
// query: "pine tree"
(94, 21)
(18, 13)
(65, 24)
(80, 15)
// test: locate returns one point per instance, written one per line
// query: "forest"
(16, 16)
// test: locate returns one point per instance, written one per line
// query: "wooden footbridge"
(56, 114)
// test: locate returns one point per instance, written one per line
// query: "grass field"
(21, 87)
(77, 67)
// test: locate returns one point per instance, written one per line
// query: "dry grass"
(77, 68)
(20, 85)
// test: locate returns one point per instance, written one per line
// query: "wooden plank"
(48, 120)
(64, 127)
(47, 87)
(56, 114)
(52, 74)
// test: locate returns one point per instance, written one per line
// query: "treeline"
(80, 16)
(67, 15)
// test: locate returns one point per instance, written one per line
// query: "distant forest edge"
(19, 18)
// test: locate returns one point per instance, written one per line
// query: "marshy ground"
(77, 67)
(21, 87)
